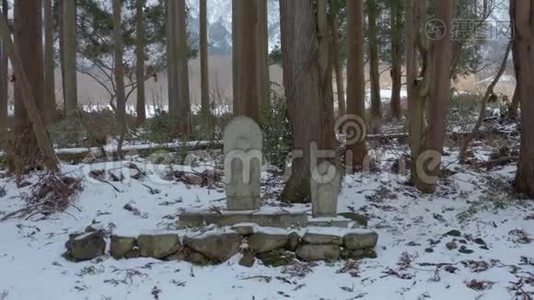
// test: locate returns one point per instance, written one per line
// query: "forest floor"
(473, 239)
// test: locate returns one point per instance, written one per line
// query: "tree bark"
(140, 60)
(524, 10)
(356, 81)
(246, 53)
(441, 55)
(204, 71)
(32, 143)
(514, 106)
(264, 81)
(49, 76)
(61, 39)
(396, 57)
(374, 59)
(118, 70)
(304, 92)
(416, 51)
(4, 92)
(69, 48)
(179, 101)
(338, 68)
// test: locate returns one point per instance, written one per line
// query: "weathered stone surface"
(245, 230)
(248, 259)
(358, 254)
(321, 239)
(195, 257)
(242, 163)
(228, 219)
(262, 242)
(309, 252)
(216, 247)
(293, 241)
(276, 258)
(356, 241)
(356, 217)
(86, 246)
(329, 223)
(325, 186)
(121, 246)
(158, 246)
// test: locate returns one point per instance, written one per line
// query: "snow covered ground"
(413, 261)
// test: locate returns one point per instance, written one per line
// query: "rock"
(451, 245)
(262, 242)
(134, 253)
(358, 254)
(244, 230)
(282, 220)
(192, 179)
(293, 241)
(120, 246)
(324, 186)
(429, 250)
(216, 247)
(195, 257)
(158, 246)
(356, 241)
(309, 252)
(479, 241)
(243, 141)
(356, 217)
(321, 239)
(248, 259)
(276, 258)
(86, 246)
(455, 233)
(465, 250)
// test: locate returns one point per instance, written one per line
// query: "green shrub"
(277, 131)
(161, 128)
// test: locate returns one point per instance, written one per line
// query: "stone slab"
(228, 219)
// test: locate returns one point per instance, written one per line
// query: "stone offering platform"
(282, 220)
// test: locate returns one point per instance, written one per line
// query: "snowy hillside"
(220, 24)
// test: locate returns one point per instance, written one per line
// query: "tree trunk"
(514, 106)
(264, 82)
(61, 39)
(49, 76)
(204, 72)
(70, 46)
(179, 102)
(304, 92)
(525, 77)
(356, 84)
(118, 71)
(246, 53)
(416, 12)
(325, 74)
(396, 57)
(338, 68)
(4, 93)
(374, 59)
(441, 55)
(32, 143)
(236, 39)
(140, 60)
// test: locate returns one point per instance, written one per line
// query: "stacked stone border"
(215, 248)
